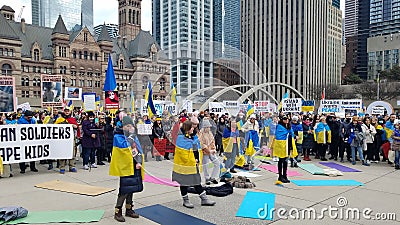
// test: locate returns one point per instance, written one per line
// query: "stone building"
(27, 51)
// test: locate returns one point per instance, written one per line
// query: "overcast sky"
(104, 11)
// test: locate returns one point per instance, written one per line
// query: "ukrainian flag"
(284, 97)
(239, 124)
(250, 110)
(121, 160)
(98, 102)
(149, 97)
(184, 160)
(132, 102)
(173, 92)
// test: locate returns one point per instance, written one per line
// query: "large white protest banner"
(165, 106)
(34, 142)
(217, 108)
(291, 105)
(144, 129)
(188, 105)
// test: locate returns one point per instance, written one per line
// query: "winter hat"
(295, 118)
(206, 124)
(28, 113)
(253, 116)
(194, 120)
(127, 120)
(91, 114)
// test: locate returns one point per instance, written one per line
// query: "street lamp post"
(378, 81)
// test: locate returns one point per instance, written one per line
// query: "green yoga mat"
(73, 216)
(311, 168)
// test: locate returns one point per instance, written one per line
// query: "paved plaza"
(381, 194)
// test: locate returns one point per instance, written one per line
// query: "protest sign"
(307, 105)
(8, 100)
(111, 100)
(261, 106)
(34, 142)
(144, 129)
(329, 106)
(24, 106)
(217, 108)
(291, 105)
(351, 105)
(143, 107)
(231, 104)
(379, 105)
(51, 90)
(89, 101)
(188, 105)
(164, 106)
(73, 93)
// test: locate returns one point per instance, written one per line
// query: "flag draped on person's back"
(149, 98)
(250, 110)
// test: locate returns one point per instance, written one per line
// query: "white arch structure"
(260, 86)
(232, 88)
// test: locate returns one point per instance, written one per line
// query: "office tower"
(362, 38)
(227, 29)
(384, 17)
(46, 12)
(112, 30)
(184, 30)
(289, 44)
(351, 15)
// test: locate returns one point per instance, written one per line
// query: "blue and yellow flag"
(250, 110)
(173, 92)
(239, 124)
(132, 102)
(284, 97)
(110, 83)
(149, 98)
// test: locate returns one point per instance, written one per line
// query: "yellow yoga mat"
(74, 188)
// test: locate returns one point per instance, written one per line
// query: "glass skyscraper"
(384, 17)
(45, 13)
(227, 28)
(184, 29)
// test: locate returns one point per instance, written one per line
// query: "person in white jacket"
(369, 132)
(251, 124)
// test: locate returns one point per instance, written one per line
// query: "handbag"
(131, 184)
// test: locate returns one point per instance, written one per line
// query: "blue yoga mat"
(327, 183)
(166, 216)
(257, 205)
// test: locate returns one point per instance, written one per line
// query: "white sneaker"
(369, 162)
(85, 167)
(94, 165)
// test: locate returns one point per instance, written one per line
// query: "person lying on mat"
(126, 162)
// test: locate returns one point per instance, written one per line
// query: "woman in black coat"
(308, 138)
(158, 135)
(109, 134)
(218, 137)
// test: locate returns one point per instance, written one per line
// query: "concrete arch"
(260, 86)
(232, 88)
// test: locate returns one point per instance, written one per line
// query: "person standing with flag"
(284, 146)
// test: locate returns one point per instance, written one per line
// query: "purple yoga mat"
(339, 167)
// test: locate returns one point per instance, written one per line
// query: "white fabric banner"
(34, 142)
(144, 129)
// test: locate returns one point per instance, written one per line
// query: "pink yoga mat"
(162, 181)
(274, 169)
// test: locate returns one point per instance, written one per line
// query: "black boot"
(118, 215)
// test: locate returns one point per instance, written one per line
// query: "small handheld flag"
(173, 92)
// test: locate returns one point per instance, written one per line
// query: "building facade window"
(6, 70)
(162, 84)
(121, 64)
(74, 54)
(85, 55)
(145, 81)
(85, 37)
(36, 56)
(25, 94)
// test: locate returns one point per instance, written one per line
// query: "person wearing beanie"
(127, 163)
(187, 165)
(27, 118)
(207, 143)
(90, 141)
(66, 118)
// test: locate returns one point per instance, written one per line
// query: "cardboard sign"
(34, 142)
(73, 93)
(217, 108)
(291, 105)
(329, 106)
(8, 99)
(144, 129)
(261, 106)
(51, 90)
(231, 104)
(89, 102)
